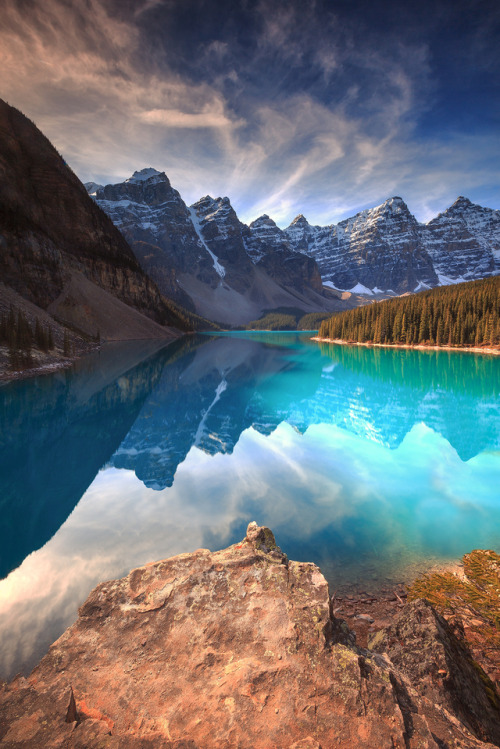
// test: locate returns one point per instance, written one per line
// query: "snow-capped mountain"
(386, 249)
(204, 257)
(269, 247)
(159, 227)
(464, 242)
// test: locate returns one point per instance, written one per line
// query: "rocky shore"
(245, 648)
(495, 350)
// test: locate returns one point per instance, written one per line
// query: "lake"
(376, 464)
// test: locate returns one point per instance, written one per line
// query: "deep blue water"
(374, 463)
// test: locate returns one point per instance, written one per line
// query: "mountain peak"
(144, 174)
(461, 202)
(395, 203)
(92, 187)
(206, 200)
(263, 220)
(300, 220)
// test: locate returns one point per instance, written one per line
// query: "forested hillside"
(466, 314)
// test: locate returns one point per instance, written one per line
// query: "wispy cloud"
(211, 116)
(285, 109)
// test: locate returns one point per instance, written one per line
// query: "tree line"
(20, 336)
(466, 314)
(288, 318)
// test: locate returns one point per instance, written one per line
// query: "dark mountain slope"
(57, 245)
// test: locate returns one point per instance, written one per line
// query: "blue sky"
(322, 108)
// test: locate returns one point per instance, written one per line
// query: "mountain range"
(205, 258)
(210, 261)
(133, 261)
(387, 249)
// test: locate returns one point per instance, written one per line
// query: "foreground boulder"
(236, 648)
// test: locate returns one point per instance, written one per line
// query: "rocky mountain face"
(220, 233)
(227, 271)
(158, 226)
(59, 250)
(249, 638)
(464, 242)
(386, 249)
(269, 246)
(205, 257)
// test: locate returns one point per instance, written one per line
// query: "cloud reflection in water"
(330, 496)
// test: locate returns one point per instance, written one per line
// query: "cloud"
(209, 117)
(147, 6)
(287, 110)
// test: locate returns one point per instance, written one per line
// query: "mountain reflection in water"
(370, 462)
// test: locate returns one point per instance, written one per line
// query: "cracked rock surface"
(235, 648)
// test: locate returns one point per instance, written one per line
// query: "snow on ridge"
(219, 269)
(447, 281)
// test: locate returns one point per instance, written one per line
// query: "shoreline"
(57, 363)
(25, 374)
(367, 609)
(419, 347)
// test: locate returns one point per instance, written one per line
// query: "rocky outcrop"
(224, 649)
(58, 249)
(386, 249)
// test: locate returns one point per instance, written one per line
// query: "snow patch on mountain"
(446, 281)
(360, 289)
(219, 269)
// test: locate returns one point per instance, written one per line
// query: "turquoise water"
(375, 464)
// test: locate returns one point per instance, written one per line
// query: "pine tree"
(66, 344)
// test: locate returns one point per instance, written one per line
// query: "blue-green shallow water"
(375, 464)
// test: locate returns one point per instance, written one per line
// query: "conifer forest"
(466, 314)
